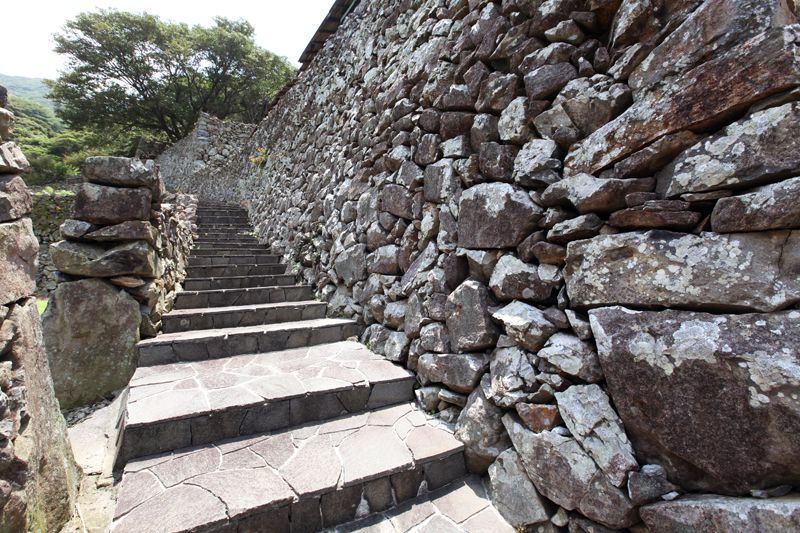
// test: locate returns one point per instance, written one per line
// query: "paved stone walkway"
(254, 412)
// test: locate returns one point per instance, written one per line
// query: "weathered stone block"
(18, 260)
(15, 199)
(739, 271)
(90, 330)
(111, 205)
(135, 258)
(495, 215)
(468, 318)
(120, 171)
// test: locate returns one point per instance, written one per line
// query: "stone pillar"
(38, 475)
(122, 258)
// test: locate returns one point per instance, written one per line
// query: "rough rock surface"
(495, 215)
(721, 514)
(726, 411)
(468, 318)
(15, 199)
(774, 206)
(90, 329)
(513, 493)
(18, 253)
(741, 271)
(111, 205)
(480, 429)
(762, 148)
(588, 414)
(79, 259)
(696, 99)
(566, 475)
(527, 325)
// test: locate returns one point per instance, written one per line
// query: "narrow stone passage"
(252, 411)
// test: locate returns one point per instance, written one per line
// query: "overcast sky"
(282, 27)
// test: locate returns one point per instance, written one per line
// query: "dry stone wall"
(38, 475)
(50, 208)
(121, 262)
(576, 220)
(196, 163)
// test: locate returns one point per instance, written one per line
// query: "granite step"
(219, 234)
(238, 282)
(223, 342)
(241, 239)
(221, 211)
(241, 315)
(222, 219)
(220, 271)
(228, 247)
(238, 259)
(231, 252)
(188, 404)
(302, 479)
(460, 507)
(246, 296)
(224, 227)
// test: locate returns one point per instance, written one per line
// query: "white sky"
(282, 27)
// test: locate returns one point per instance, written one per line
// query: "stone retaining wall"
(121, 263)
(195, 164)
(38, 475)
(574, 220)
(50, 209)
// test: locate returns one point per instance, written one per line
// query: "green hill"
(32, 89)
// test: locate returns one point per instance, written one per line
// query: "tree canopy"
(136, 71)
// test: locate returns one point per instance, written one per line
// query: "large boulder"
(90, 329)
(468, 319)
(15, 199)
(710, 30)
(12, 160)
(710, 513)
(111, 205)
(136, 258)
(587, 412)
(351, 265)
(564, 473)
(120, 171)
(701, 98)
(460, 372)
(18, 260)
(495, 215)
(725, 416)
(775, 206)
(39, 475)
(480, 429)
(588, 194)
(527, 325)
(512, 492)
(737, 271)
(761, 148)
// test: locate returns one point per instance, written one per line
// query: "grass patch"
(41, 305)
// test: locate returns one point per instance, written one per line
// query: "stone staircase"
(252, 411)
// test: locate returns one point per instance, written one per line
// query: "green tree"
(136, 71)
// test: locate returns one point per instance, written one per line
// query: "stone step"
(239, 259)
(224, 227)
(188, 404)
(241, 315)
(222, 219)
(219, 234)
(231, 252)
(219, 271)
(219, 343)
(247, 296)
(238, 282)
(303, 479)
(463, 506)
(221, 211)
(229, 247)
(239, 239)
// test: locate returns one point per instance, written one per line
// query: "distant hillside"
(32, 89)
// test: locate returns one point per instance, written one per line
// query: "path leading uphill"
(252, 411)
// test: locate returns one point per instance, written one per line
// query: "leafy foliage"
(136, 71)
(54, 151)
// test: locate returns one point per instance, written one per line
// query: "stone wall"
(574, 220)
(38, 476)
(195, 163)
(50, 209)
(121, 263)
